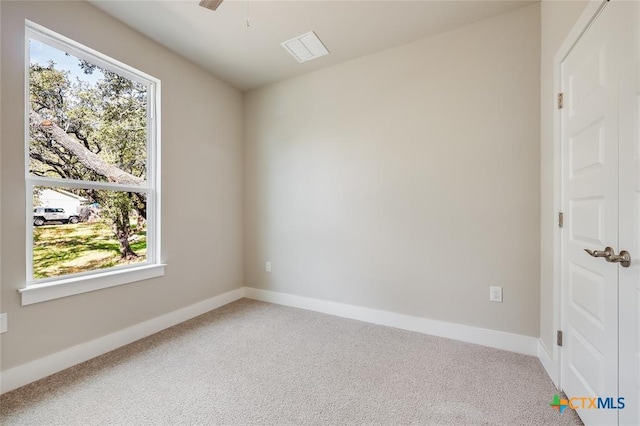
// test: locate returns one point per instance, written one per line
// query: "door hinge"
(560, 100)
(560, 220)
(559, 338)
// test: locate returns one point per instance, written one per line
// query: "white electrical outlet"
(495, 294)
(3, 323)
(267, 266)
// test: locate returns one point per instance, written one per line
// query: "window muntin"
(91, 134)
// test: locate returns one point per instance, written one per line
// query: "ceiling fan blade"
(210, 4)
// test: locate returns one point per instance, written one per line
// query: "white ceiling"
(249, 57)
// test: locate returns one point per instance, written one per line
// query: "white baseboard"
(24, 374)
(550, 366)
(481, 336)
(21, 375)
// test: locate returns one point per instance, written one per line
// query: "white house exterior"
(59, 198)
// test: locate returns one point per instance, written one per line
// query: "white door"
(601, 201)
(590, 204)
(629, 278)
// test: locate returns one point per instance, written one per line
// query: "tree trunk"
(122, 229)
(87, 158)
(121, 223)
(126, 252)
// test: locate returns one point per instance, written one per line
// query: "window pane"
(86, 122)
(80, 230)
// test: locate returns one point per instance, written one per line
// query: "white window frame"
(40, 290)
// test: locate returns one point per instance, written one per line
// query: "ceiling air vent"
(305, 47)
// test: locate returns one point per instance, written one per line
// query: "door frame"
(586, 19)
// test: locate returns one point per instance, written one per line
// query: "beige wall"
(201, 187)
(398, 181)
(407, 180)
(557, 19)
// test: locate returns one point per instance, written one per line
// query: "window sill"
(70, 286)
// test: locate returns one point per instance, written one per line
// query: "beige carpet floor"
(257, 363)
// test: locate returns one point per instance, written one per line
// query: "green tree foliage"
(108, 119)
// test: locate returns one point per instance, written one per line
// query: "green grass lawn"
(69, 249)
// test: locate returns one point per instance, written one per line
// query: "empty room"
(320, 212)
